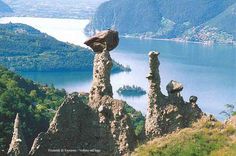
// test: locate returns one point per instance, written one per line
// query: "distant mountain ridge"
(169, 19)
(54, 8)
(226, 20)
(4, 8)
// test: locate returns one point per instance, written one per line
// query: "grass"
(203, 139)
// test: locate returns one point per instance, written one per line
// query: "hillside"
(37, 105)
(219, 29)
(206, 137)
(225, 21)
(35, 102)
(4, 8)
(23, 48)
(162, 19)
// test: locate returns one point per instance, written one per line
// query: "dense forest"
(23, 48)
(35, 103)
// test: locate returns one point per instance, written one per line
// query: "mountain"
(226, 20)
(4, 8)
(160, 18)
(54, 8)
(218, 29)
(23, 48)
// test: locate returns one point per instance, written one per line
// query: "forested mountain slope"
(166, 18)
(218, 29)
(24, 48)
(35, 103)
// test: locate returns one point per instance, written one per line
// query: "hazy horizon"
(79, 9)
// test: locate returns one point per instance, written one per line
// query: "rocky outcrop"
(231, 121)
(154, 96)
(112, 115)
(104, 40)
(111, 111)
(18, 146)
(100, 127)
(101, 85)
(102, 43)
(167, 113)
(174, 88)
(75, 130)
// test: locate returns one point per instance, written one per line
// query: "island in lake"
(133, 90)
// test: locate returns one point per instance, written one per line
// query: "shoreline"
(15, 19)
(178, 40)
(56, 27)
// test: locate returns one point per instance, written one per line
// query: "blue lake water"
(206, 71)
(209, 72)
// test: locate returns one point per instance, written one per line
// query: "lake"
(206, 71)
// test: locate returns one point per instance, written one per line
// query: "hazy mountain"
(164, 18)
(54, 8)
(226, 20)
(219, 29)
(4, 8)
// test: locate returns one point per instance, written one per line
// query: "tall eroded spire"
(154, 96)
(18, 146)
(167, 113)
(101, 44)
